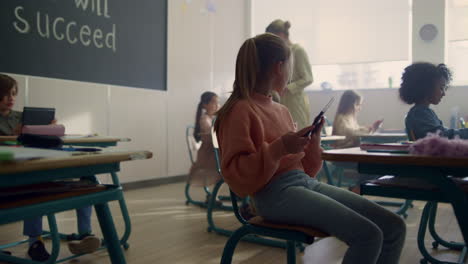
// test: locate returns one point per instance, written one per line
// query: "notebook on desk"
(21, 154)
(386, 147)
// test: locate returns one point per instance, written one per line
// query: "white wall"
(191, 36)
(385, 103)
(377, 104)
(429, 12)
(201, 55)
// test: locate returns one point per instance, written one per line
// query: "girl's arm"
(423, 121)
(445, 132)
(303, 70)
(312, 161)
(205, 129)
(347, 127)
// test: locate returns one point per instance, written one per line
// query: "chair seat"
(259, 221)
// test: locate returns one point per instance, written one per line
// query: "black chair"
(416, 189)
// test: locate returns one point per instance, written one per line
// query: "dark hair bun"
(287, 25)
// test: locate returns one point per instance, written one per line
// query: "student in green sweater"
(294, 97)
(10, 124)
(9, 119)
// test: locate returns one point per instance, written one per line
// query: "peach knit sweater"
(252, 152)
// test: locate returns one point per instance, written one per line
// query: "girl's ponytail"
(253, 64)
(196, 131)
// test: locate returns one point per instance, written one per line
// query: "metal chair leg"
(427, 258)
(291, 252)
(232, 243)
(437, 239)
(110, 235)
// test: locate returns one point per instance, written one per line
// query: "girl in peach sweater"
(262, 156)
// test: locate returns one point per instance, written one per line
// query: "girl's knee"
(398, 226)
(375, 234)
(367, 233)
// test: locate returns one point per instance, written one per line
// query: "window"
(358, 76)
(355, 44)
(457, 41)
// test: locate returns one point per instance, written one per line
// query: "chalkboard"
(119, 42)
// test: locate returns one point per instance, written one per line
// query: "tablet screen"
(38, 116)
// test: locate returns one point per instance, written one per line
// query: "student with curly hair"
(423, 84)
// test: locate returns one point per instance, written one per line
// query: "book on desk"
(386, 147)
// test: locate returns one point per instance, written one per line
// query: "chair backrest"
(214, 139)
(410, 134)
(327, 127)
(192, 144)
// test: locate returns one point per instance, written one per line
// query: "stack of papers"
(20, 153)
(386, 147)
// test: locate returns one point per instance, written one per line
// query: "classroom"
(234, 131)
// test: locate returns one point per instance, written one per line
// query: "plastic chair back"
(192, 144)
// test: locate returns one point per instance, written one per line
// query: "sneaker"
(86, 245)
(246, 212)
(218, 203)
(38, 252)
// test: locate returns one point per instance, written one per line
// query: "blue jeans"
(33, 227)
(373, 234)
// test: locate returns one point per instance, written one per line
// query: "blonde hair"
(254, 60)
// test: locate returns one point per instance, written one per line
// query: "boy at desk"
(10, 124)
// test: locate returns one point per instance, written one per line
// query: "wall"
(429, 12)
(384, 103)
(201, 54)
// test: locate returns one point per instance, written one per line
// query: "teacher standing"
(294, 97)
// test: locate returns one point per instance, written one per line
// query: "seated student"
(9, 119)
(345, 123)
(424, 84)
(10, 124)
(203, 172)
(262, 156)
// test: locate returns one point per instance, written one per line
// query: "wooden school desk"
(328, 142)
(434, 170)
(102, 142)
(89, 165)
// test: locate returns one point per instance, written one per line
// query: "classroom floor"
(165, 230)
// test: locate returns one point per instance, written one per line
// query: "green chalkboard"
(118, 42)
